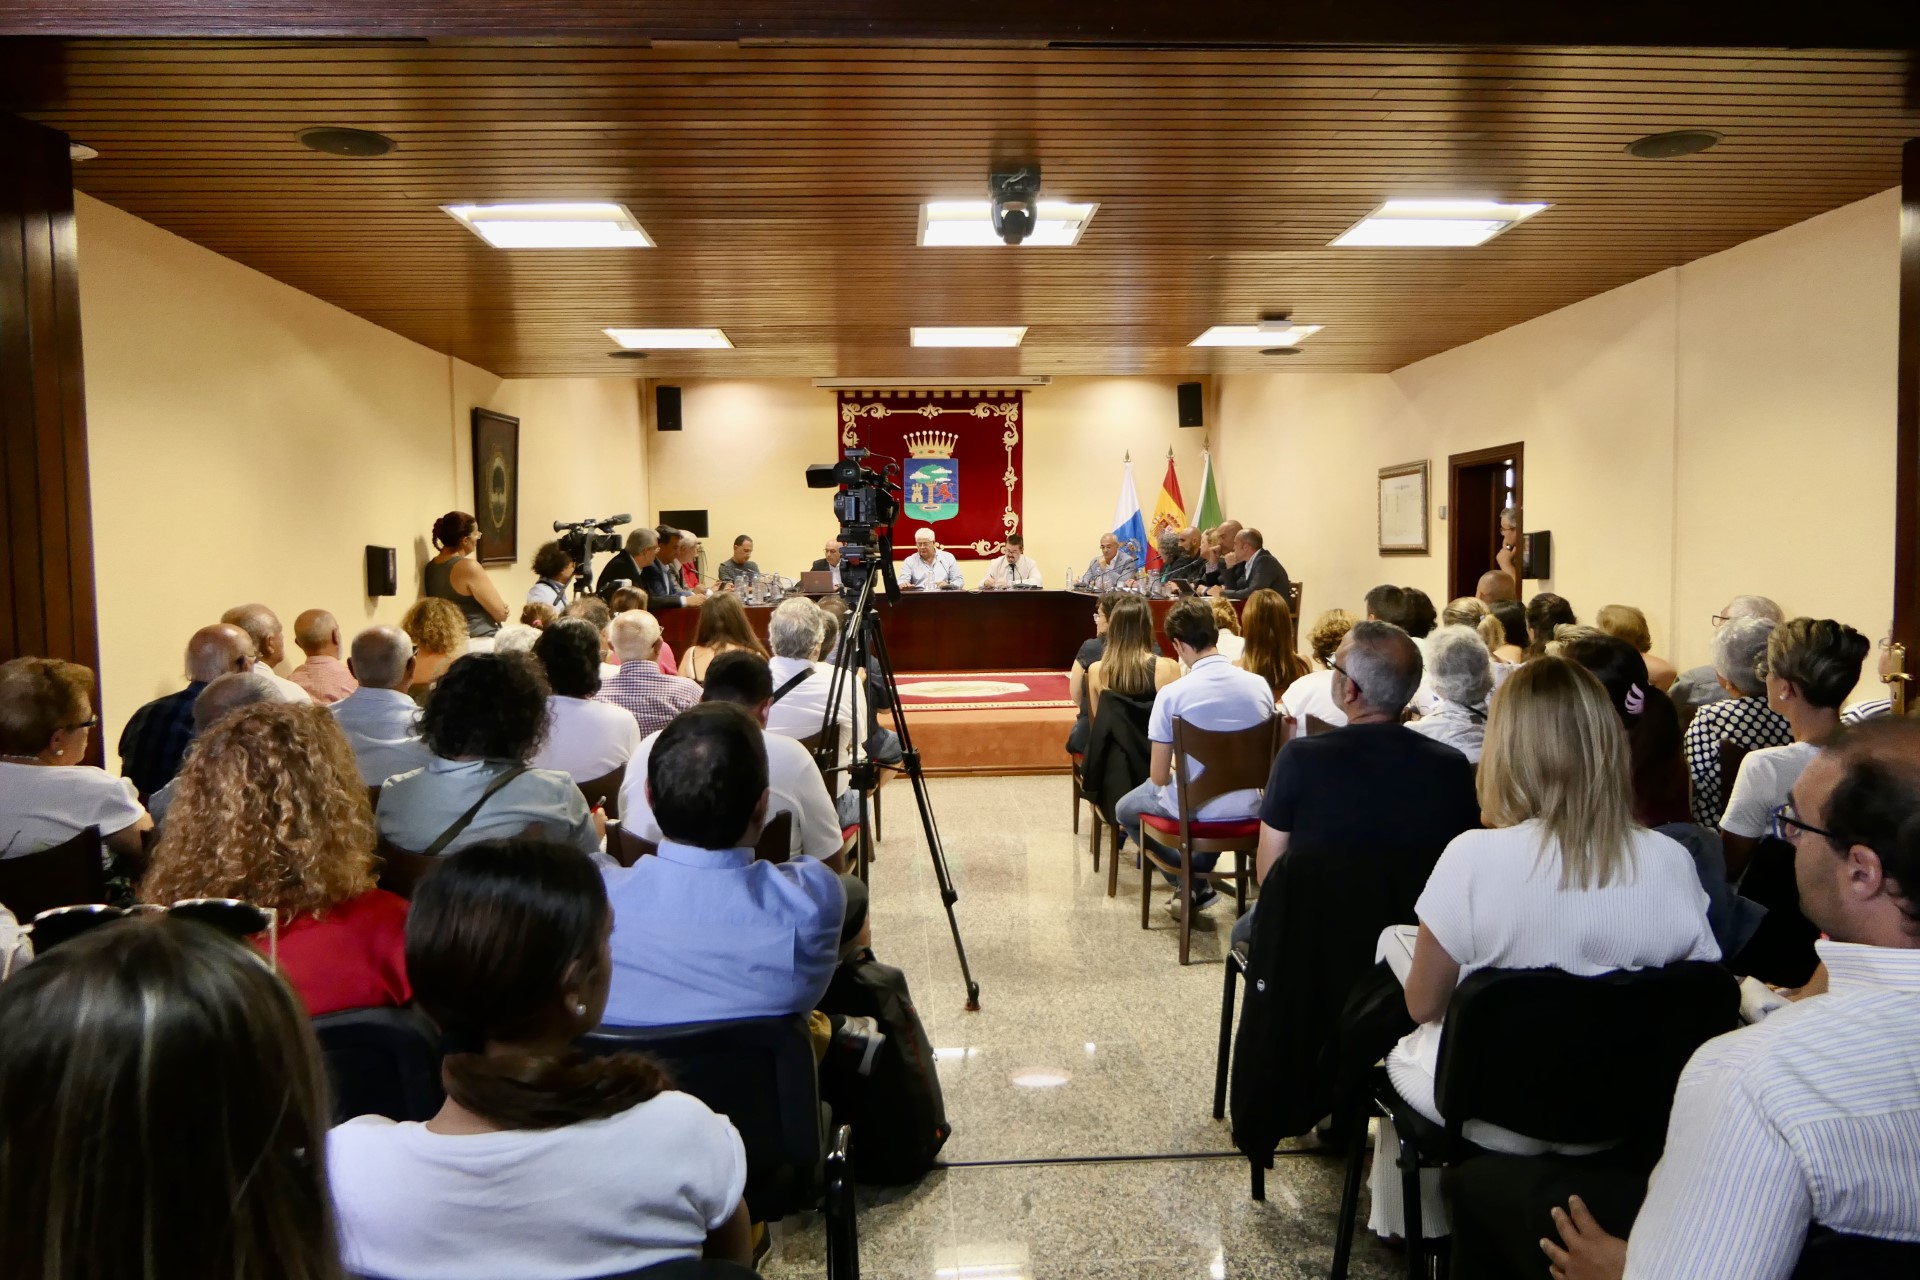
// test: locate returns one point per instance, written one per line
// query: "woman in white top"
(585, 739)
(1312, 694)
(1561, 879)
(47, 796)
(543, 1164)
(1811, 666)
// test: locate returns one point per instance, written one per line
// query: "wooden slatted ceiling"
(783, 184)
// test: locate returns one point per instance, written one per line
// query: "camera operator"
(554, 568)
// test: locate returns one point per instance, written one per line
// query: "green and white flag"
(1209, 513)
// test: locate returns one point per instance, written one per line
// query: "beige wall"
(744, 448)
(248, 440)
(1720, 428)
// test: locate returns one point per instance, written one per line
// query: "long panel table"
(961, 630)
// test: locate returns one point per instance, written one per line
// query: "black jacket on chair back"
(1118, 753)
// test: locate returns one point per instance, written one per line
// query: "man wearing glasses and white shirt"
(929, 568)
(1012, 567)
(1811, 1118)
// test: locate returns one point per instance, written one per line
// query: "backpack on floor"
(898, 1116)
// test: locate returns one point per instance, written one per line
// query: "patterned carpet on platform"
(984, 690)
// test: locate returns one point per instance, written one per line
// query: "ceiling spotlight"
(1673, 144)
(361, 144)
(1015, 196)
(79, 152)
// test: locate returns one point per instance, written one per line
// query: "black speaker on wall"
(383, 573)
(1538, 560)
(666, 409)
(694, 522)
(1191, 414)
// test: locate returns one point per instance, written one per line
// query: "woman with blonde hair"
(270, 809)
(723, 628)
(1562, 879)
(1312, 694)
(1232, 642)
(439, 636)
(1269, 651)
(1624, 622)
(1130, 663)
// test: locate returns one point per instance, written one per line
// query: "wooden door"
(1480, 485)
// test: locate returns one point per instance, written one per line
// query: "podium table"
(1010, 630)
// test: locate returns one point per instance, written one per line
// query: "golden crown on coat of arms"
(931, 444)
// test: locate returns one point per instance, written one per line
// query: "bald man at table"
(929, 568)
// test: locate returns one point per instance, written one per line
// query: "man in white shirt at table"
(929, 568)
(1810, 1118)
(1012, 567)
(1214, 695)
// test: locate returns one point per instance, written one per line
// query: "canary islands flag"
(1128, 525)
(1168, 513)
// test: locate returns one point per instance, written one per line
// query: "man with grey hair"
(929, 568)
(1699, 686)
(270, 642)
(156, 736)
(801, 687)
(381, 722)
(1460, 677)
(650, 694)
(1741, 717)
(324, 677)
(218, 700)
(1373, 788)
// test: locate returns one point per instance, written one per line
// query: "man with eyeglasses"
(381, 722)
(1697, 687)
(1805, 1127)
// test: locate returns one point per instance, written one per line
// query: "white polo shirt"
(794, 786)
(587, 739)
(1216, 695)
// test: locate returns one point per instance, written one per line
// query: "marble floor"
(1091, 1043)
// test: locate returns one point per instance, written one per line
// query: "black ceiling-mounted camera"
(1016, 200)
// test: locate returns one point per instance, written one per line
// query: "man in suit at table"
(830, 563)
(1107, 569)
(1012, 567)
(1260, 570)
(929, 568)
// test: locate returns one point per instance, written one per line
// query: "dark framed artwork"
(1403, 509)
(496, 485)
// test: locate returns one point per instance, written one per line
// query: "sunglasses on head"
(230, 916)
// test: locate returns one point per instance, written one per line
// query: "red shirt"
(355, 957)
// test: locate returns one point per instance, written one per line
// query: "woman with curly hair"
(723, 628)
(269, 808)
(1270, 652)
(1312, 693)
(484, 725)
(439, 636)
(1232, 642)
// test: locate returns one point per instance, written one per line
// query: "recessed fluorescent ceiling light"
(1002, 335)
(969, 223)
(1441, 223)
(1253, 335)
(670, 339)
(588, 225)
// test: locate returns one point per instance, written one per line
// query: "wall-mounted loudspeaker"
(666, 408)
(694, 522)
(1539, 557)
(383, 573)
(1191, 414)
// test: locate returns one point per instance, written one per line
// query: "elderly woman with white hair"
(1743, 718)
(1460, 674)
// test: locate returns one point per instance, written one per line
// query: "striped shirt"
(1746, 722)
(651, 695)
(1860, 711)
(1812, 1116)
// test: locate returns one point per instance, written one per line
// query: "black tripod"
(863, 639)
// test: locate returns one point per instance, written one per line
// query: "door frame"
(1476, 457)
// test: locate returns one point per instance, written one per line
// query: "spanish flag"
(1168, 513)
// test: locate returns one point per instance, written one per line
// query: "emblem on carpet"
(980, 690)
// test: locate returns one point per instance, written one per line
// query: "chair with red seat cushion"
(1233, 760)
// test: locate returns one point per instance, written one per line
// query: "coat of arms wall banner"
(958, 454)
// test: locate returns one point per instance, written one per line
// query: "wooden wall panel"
(1906, 550)
(46, 567)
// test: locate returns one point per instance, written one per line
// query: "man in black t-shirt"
(1374, 784)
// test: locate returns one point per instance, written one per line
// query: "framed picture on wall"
(496, 485)
(1403, 509)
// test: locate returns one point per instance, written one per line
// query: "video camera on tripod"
(866, 506)
(583, 539)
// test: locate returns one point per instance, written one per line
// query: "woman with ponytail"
(544, 1164)
(455, 576)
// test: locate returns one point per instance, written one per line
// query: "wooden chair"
(626, 848)
(1294, 591)
(1316, 726)
(1235, 760)
(605, 791)
(66, 875)
(1074, 760)
(1732, 756)
(373, 798)
(858, 838)
(401, 870)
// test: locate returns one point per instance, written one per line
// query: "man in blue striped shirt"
(1812, 1117)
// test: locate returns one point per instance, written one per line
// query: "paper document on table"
(1396, 948)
